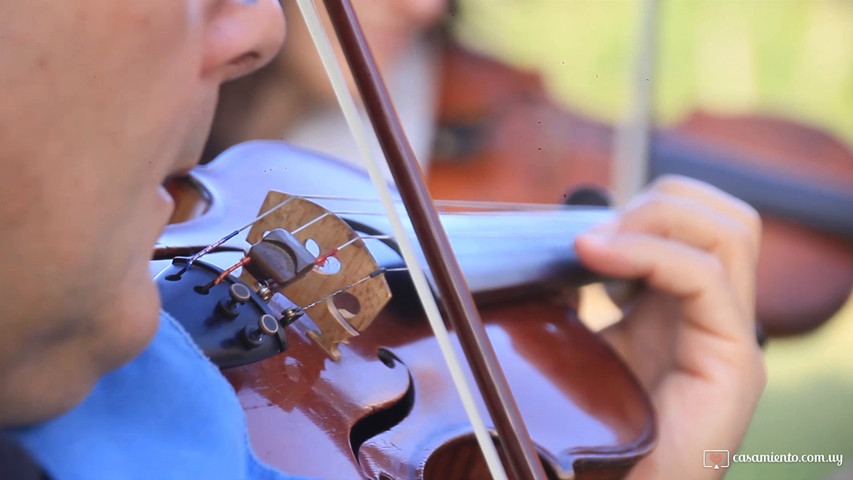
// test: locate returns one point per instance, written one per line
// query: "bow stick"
(521, 457)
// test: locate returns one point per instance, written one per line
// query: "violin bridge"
(343, 271)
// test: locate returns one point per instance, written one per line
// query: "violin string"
(373, 274)
(335, 213)
(231, 235)
(419, 279)
(473, 204)
(488, 234)
(311, 222)
(168, 253)
(295, 312)
(496, 213)
(538, 233)
(321, 259)
(502, 206)
(500, 209)
(217, 246)
(497, 208)
(243, 261)
(269, 211)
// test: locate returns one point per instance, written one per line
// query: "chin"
(66, 369)
(129, 324)
(30, 408)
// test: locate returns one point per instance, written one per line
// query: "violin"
(386, 408)
(800, 179)
(612, 424)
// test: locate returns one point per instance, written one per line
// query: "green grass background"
(785, 57)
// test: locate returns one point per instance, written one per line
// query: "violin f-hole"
(384, 419)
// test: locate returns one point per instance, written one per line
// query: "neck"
(504, 254)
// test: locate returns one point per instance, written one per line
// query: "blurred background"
(793, 59)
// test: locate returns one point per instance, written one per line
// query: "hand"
(690, 336)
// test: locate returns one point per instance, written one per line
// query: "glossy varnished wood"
(587, 416)
(397, 413)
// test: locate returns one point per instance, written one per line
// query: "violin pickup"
(280, 257)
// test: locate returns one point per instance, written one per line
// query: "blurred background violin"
(800, 179)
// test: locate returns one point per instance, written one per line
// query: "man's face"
(102, 101)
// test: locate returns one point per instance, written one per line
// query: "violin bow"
(631, 144)
(521, 457)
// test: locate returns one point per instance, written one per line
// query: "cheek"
(197, 122)
(117, 116)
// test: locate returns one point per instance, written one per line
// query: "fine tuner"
(235, 324)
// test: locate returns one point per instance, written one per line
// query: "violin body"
(501, 138)
(387, 409)
(397, 415)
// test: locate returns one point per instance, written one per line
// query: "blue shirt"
(169, 414)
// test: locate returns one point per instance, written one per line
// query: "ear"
(241, 36)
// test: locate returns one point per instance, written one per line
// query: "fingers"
(691, 336)
(696, 224)
(703, 217)
(694, 276)
(688, 240)
(714, 199)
